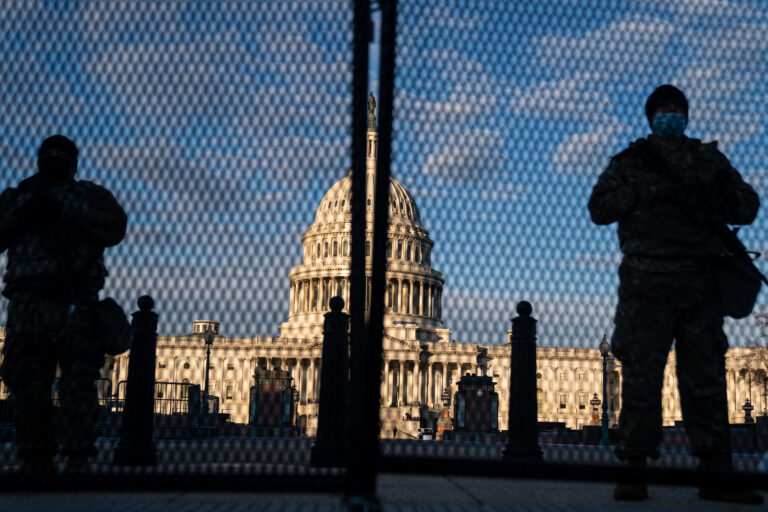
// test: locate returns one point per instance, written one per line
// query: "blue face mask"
(669, 124)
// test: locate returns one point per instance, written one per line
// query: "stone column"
(384, 383)
(404, 394)
(405, 293)
(430, 382)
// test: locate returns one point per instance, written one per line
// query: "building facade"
(422, 363)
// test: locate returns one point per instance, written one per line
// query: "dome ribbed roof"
(336, 204)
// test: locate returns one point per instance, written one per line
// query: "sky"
(220, 125)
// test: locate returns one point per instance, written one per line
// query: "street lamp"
(605, 350)
(595, 403)
(208, 338)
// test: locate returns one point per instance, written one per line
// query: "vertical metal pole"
(363, 462)
(361, 476)
(604, 439)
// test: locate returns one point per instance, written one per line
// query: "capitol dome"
(414, 288)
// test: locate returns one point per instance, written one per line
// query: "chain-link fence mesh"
(223, 130)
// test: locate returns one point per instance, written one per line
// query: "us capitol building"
(421, 360)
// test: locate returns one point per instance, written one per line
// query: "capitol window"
(399, 249)
(186, 366)
(345, 248)
(563, 401)
(367, 248)
(408, 251)
(418, 252)
(325, 249)
(335, 248)
(389, 248)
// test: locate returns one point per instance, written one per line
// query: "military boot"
(628, 490)
(732, 493)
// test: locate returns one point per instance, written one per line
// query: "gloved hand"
(40, 211)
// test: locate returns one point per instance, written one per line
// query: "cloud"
(633, 45)
(578, 96)
(720, 8)
(587, 153)
(467, 156)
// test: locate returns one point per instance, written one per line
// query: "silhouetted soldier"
(664, 191)
(55, 230)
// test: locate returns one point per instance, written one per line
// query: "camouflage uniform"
(55, 270)
(666, 286)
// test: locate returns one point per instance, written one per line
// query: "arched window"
(416, 298)
(335, 248)
(399, 249)
(408, 251)
(325, 249)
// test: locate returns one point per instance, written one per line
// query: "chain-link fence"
(477, 331)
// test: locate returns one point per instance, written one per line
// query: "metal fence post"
(522, 427)
(136, 446)
(330, 445)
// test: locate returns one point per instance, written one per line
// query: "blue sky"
(219, 125)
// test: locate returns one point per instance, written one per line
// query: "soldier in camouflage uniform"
(55, 230)
(664, 190)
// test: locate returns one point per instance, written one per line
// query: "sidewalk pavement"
(397, 493)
